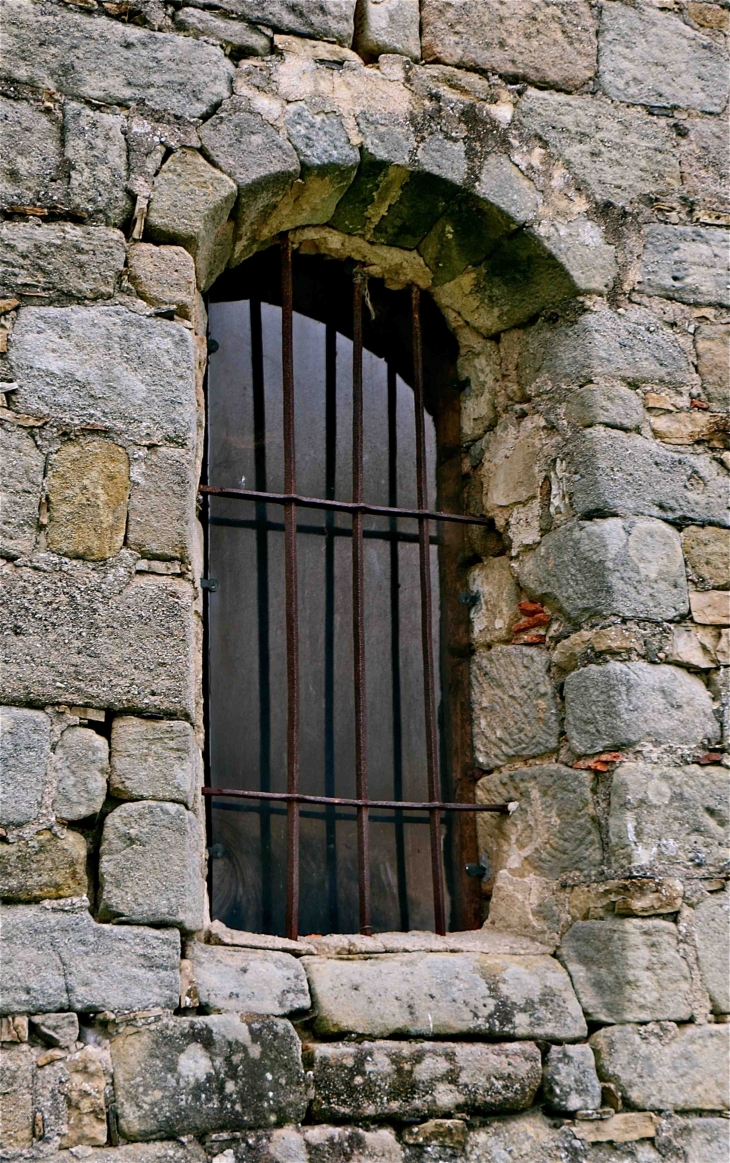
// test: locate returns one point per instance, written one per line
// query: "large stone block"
(627, 969)
(415, 1080)
(164, 276)
(613, 472)
(153, 760)
(438, 994)
(106, 367)
(708, 555)
(162, 504)
(32, 171)
(95, 149)
(249, 981)
(317, 19)
(705, 164)
(182, 1076)
(150, 866)
(664, 1066)
(54, 960)
(25, 749)
(117, 64)
(552, 44)
(712, 938)
(43, 867)
(608, 403)
(21, 481)
(514, 704)
(625, 703)
(70, 1098)
(244, 39)
(570, 1081)
(16, 1098)
(393, 26)
(80, 770)
(632, 568)
(712, 344)
(618, 155)
(319, 1144)
(649, 57)
(497, 610)
(672, 815)
(60, 260)
(700, 1139)
(97, 636)
(88, 490)
(688, 263)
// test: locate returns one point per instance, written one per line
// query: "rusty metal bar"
(406, 805)
(292, 604)
(358, 612)
(424, 560)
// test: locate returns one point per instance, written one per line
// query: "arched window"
(337, 637)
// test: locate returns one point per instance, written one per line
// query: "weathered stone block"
(712, 344)
(88, 490)
(530, 906)
(162, 504)
(150, 866)
(16, 1098)
(73, 262)
(569, 1080)
(651, 57)
(167, 1151)
(555, 828)
(664, 1066)
(705, 164)
(318, 19)
(633, 568)
(80, 769)
(441, 994)
(551, 44)
(116, 64)
(515, 706)
(497, 610)
(617, 472)
(711, 608)
(249, 981)
(194, 1075)
(381, 1080)
(153, 760)
(624, 703)
(31, 170)
(106, 366)
(164, 276)
(511, 467)
(70, 1098)
(628, 970)
(190, 204)
(97, 636)
(57, 1029)
(609, 404)
(43, 867)
(244, 39)
(95, 150)
(702, 1139)
(56, 960)
(674, 815)
(712, 938)
(319, 1144)
(21, 481)
(25, 749)
(388, 26)
(708, 555)
(688, 263)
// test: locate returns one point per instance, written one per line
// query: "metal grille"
(358, 508)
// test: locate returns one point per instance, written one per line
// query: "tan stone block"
(85, 1107)
(626, 898)
(711, 608)
(497, 611)
(689, 427)
(530, 906)
(709, 15)
(707, 551)
(694, 646)
(164, 276)
(712, 343)
(88, 490)
(623, 1128)
(14, 1028)
(16, 1098)
(43, 867)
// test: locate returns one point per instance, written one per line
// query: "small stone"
(627, 970)
(57, 1029)
(14, 1029)
(570, 1081)
(16, 1098)
(88, 490)
(376, 1080)
(711, 608)
(664, 1066)
(190, 204)
(708, 555)
(690, 427)
(150, 866)
(161, 522)
(43, 867)
(712, 938)
(153, 760)
(70, 1098)
(181, 1076)
(60, 260)
(95, 150)
(688, 263)
(515, 706)
(25, 749)
(694, 647)
(511, 464)
(620, 1128)
(244, 39)
(496, 612)
(479, 365)
(621, 704)
(609, 404)
(712, 344)
(21, 482)
(219, 934)
(164, 276)
(626, 898)
(444, 1132)
(388, 26)
(32, 171)
(80, 768)
(249, 981)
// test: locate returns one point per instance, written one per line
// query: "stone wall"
(554, 174)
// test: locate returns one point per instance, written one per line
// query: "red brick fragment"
(711, 757)
(600, 762)
(530, 623)
(528, 640)
(528, 608)
(694, 403)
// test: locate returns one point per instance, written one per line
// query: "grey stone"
(581, 249)
(97, 59)
(671, 815)
(699, 1140)
(57, 1029)
(705, 165)
(708, 555)
(194, 1075)
(515, 708)
(95, 149)
(190, 205)
(80, 768)
(712, 938)
(54, 960)
(43, 867)
(245, 39)
(248, 981)
(570, 1082)
(619, 472)
(688, 263)
(532, 1138)
(503, 185)
(551, 44)
(162, 504)
(21, 482)
(617, 154)
(317, 1144)
(97, 636)
(317, 19)
(497, 609)
(651, 57)
(609, 404)
(625, 703)
(31, 169)
(388, 26)
(107, 367)
(634, 568)
(70, 1098)
(150, 866)
(627, 969)
(164, 276)
(719, 684)
(441, 994)
(25, 749)
(60, 260)
(169, 1151)
(16, 1098)
(416, 1080)
(153, 759)
(664, 1066)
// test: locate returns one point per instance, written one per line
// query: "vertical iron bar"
(424, 555)
(395, 660)
(330, 560)
(292, 608)
(358, 611)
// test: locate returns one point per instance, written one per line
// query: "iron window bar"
(357, 508)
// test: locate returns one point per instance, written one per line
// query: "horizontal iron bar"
(338, 506)
(298, 797)
(325, 531)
